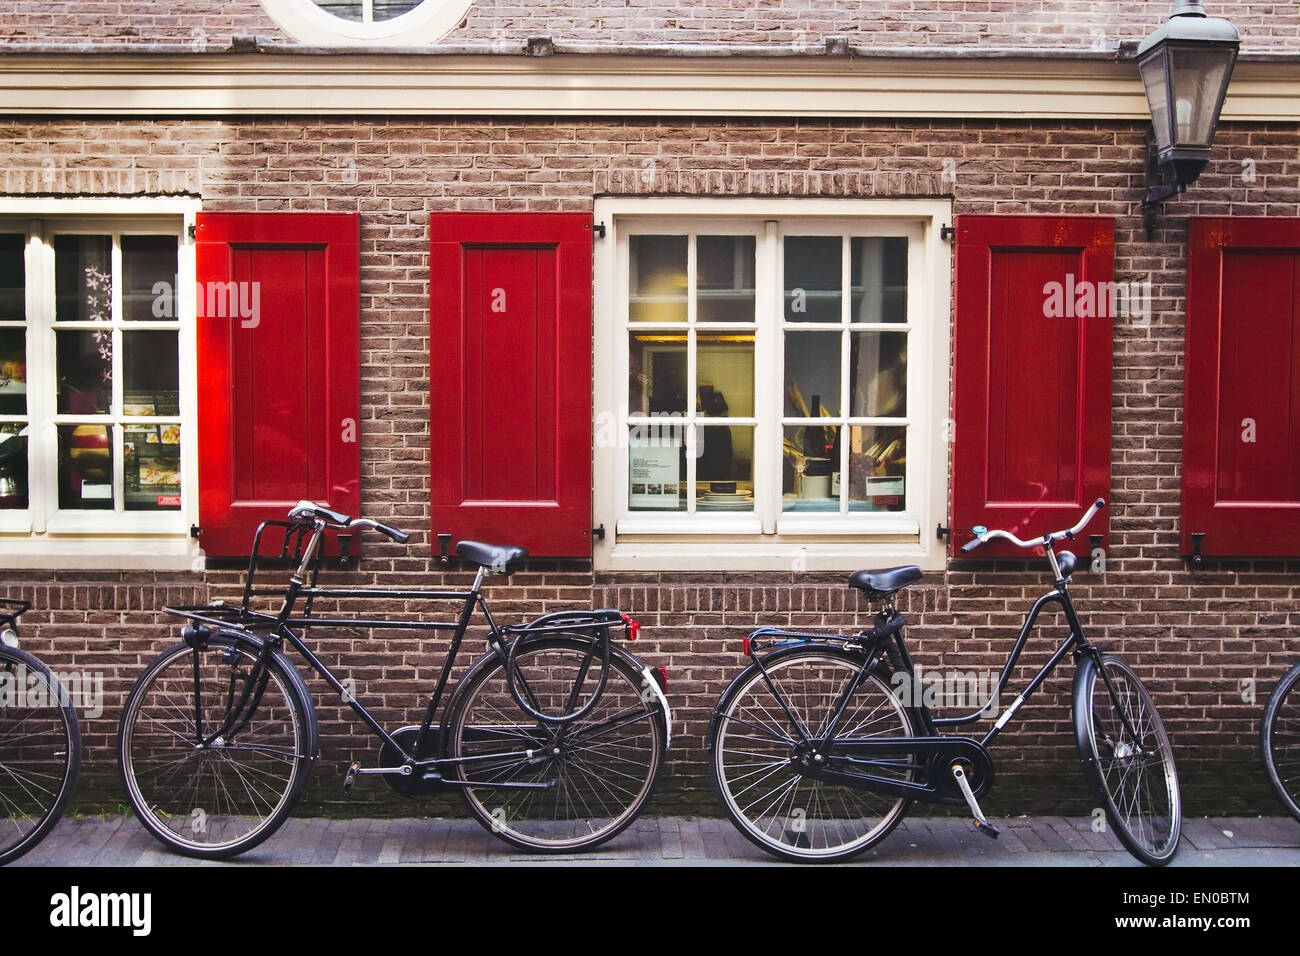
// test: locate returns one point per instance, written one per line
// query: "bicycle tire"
(607, 761)
(40, 752)
(1138, 785)
(1280, 740)
(750, 747)
(238, 792)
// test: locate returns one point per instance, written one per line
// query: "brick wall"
(1073, 24)
(1193, 636)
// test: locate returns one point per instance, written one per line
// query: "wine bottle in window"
(812, 434)
(835, 464)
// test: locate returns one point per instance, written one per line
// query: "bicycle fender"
(666, 713)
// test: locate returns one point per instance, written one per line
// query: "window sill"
(101, 554)
(770, 554)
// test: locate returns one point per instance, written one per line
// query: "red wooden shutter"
(1241, 407)
(510, 397)
(1031, 374)
(279, 390)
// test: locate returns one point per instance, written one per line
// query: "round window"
(366, 22)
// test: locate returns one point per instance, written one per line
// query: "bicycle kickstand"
(981, 822)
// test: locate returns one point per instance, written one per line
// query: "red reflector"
(746, 647)
(661, 678)
(633, 626)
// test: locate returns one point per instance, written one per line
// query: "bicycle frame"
(280, 629)
(886, 640)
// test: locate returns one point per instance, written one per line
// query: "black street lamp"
(1185, 67)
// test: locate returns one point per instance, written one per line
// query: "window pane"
(13, 279)
(147, 261)
(724, 470)
(381, 10)
(85, 467)
(151, 373)
(656, 374)
(810, 467)
(151, 462)
(878, 374)
(85, 371)
(879, 274)
(812, 374)
(724, 278)
(13, 466)
(656, 458)
(724, 370)
(13, 371)
(658, 279)
(83, 286)
(813, 271)
(877, 463)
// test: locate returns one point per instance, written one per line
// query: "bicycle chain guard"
(413, 785)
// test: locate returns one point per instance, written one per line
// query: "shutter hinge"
(599, 229)
(195, 531)
(345, 550)
(946, 233)
(1197, 559)
(598, 532)
(941, 532)
(193, 230)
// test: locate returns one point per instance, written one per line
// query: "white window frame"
(308, 23)
(769, 539)
(43, 536)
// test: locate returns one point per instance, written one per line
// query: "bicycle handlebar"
(308, 512)
(1088, 515)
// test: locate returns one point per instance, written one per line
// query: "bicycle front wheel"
(556, 787)
(213, 797)
(1132, 772)
(40, 752)
(1280, 739)
(753, 743)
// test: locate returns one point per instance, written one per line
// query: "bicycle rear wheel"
(595, 773)
(1280, 740)
(40, 752)
(226, 796)
(752, 742)
(1134, 776)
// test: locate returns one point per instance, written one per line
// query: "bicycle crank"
(981, 822)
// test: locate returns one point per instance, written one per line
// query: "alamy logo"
(968, 690)
(216, 300)
(77, 909)
(1101, 300)
(29, 690)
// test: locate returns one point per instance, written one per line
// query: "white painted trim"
(308, 23)
(644, 541)
(460, 84)
(43, 537)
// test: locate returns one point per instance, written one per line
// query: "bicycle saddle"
(502, 560)
(886, 580)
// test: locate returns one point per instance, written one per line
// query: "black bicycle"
(40, 742)
(554, 737)
(819, 746)
(1280, 740)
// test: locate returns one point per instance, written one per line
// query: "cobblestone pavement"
(675, 841)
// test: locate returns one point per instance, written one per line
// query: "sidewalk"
(676, 841)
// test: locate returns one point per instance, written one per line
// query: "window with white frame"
(779, 380)
(93, 438)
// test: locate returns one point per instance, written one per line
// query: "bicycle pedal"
(988, 829)
(351, 777)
